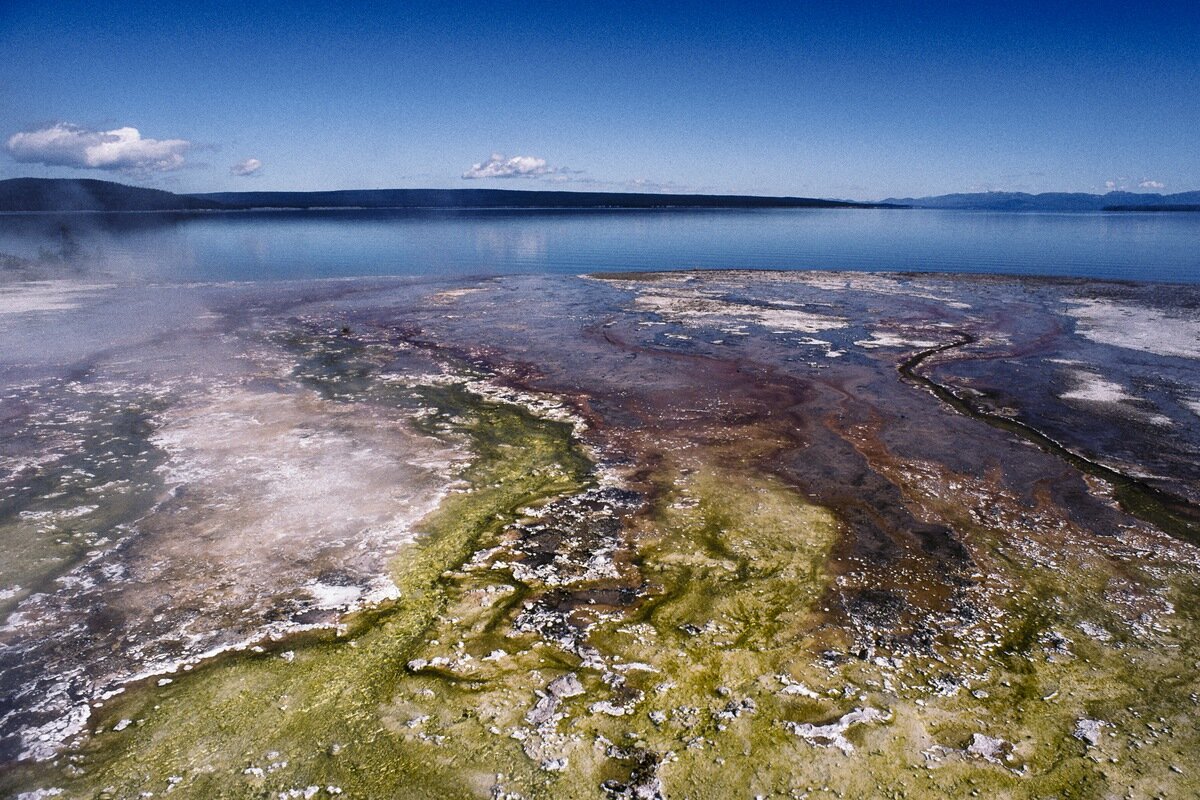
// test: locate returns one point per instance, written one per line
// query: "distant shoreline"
(438, 209)
(1168, 208)
(552, 210)
(68, 195)
(85, 195)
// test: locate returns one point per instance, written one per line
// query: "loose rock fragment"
(1088, 730)
(833, 734)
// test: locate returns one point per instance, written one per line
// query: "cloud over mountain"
(498, 166)
(246, 168)
(122, 149)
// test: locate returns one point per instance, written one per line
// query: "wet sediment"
(1170, 513)
(705, 543)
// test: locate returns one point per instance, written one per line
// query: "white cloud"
(658, 187)
(1110, 184)
(1149, 184)
(247, 167)
(500, 166)
(67, 145)
(516, 167)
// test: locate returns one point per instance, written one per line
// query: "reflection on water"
(342, 243)
(523, 245)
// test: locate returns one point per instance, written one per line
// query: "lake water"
(344, 243)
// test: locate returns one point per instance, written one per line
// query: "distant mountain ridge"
(509, 198)
(1053, 201)
(68, 194)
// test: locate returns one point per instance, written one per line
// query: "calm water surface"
(345, 243)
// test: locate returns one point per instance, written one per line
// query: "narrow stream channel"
(1164, 510)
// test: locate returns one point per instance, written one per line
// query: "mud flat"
(703, 535)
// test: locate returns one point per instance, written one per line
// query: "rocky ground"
(680, 535)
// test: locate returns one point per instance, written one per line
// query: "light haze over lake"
(345, 243)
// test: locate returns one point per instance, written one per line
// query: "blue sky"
(822, 99)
